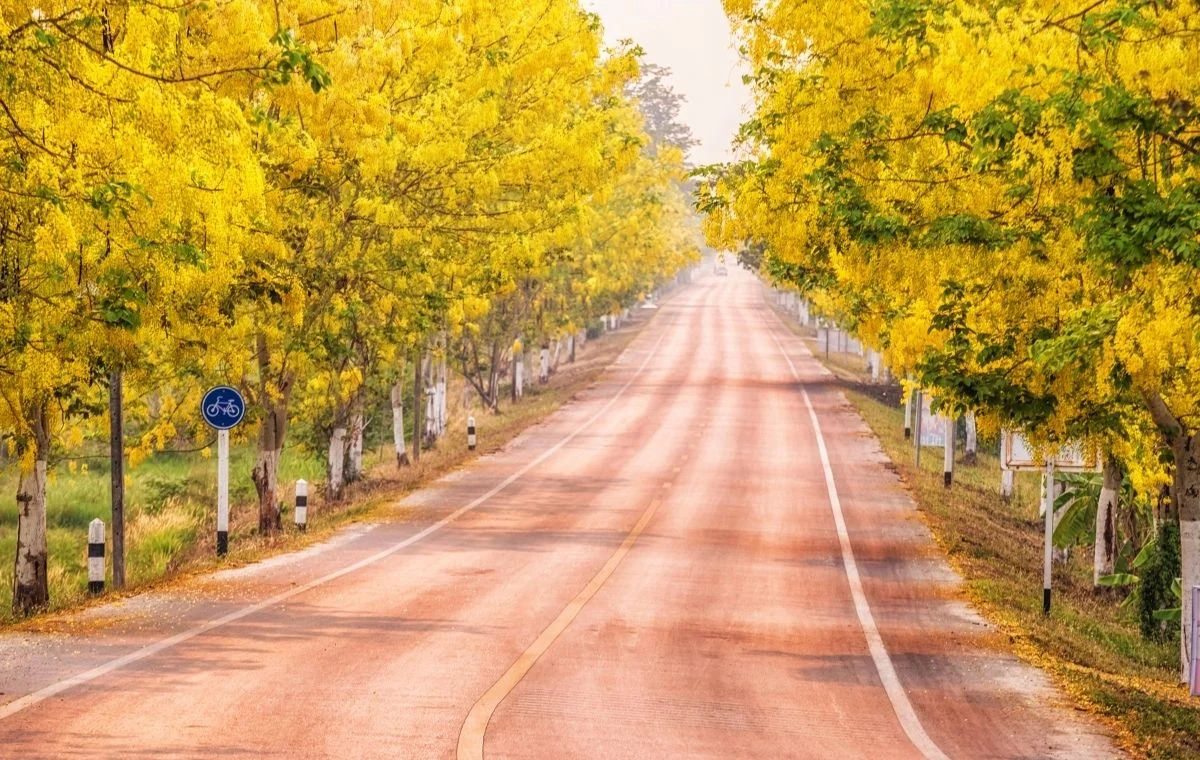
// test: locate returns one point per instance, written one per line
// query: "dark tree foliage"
(660, 106)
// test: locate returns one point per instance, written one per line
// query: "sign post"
(1017, 454)
(223, 409)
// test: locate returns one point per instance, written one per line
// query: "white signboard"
(1016, 453)
(934, 427)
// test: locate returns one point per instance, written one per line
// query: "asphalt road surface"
(703, 556)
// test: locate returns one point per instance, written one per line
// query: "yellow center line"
(470, 738)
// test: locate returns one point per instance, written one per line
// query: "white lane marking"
(879, 654)
(149, 650)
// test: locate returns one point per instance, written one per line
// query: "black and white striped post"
(96, 556)
(948, 451)
(1048, 538)
(301, 513)
(471, 433)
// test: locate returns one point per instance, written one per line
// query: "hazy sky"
(692, 38)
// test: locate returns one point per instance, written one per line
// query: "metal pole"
(222, 492)
(1048, 548)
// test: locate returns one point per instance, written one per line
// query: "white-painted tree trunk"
(31, 584)
(1104, 557)
(430, 414)
(544, 366)
(357, 425)
(1185, 493)
(337, 458)
(520, 376)
(443, 397)
(398, 423)
(557, 355)
(972, 447)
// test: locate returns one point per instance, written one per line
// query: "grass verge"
(170, 498)
(1090, 646)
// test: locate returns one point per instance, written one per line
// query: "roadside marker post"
(471, 433)
(301, 515)
(908, 415)
(95, 561)
(1048, 544)
(948, 458)
(223, 409)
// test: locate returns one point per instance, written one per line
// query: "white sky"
(692, 38)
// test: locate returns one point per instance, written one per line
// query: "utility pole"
(116, 428)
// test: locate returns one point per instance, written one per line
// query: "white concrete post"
(948, 459)
(1048, 543)
(520, 380)
(471, 433)
(95, 562)
(223, 492)
(908, 414)
(302, 505)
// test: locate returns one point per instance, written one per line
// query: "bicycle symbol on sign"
(223, 407)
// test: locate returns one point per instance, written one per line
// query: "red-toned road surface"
(679, 564)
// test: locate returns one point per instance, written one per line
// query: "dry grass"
(1089, 645)
(169, 532)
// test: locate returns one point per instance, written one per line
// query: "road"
(705, 555)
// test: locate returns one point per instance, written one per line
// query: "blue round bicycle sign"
(223, 407)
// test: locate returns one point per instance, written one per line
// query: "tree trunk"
(972, 447)
(571, 356)
(31, 580)
(274, 402)
(544, 365)
(398, 423)
(519, 376)
(1106, 512)
(418, 393)
(1185, 492)
(443, 411)
(354, 472)
(116, 455)
(337, 458)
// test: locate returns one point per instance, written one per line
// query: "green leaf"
(1119, 579)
